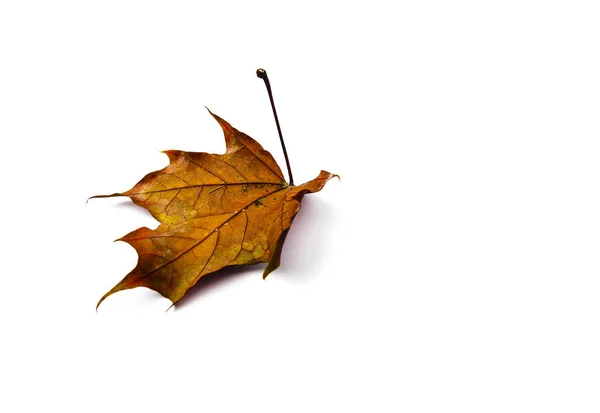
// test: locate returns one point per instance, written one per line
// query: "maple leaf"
(214, 211)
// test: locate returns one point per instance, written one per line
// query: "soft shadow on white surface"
(137, 302)
(309, 240)
(209, 283)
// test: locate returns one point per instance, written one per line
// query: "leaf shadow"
(121, 203)
(127, 203)
(308, 241)
(215, 280)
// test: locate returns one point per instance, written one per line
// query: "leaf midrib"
(211, 185)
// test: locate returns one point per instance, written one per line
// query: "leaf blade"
(214, 211)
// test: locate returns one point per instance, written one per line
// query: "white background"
(455, 267)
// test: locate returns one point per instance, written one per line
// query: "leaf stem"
(262, 73)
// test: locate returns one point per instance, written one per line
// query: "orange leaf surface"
(214, 211)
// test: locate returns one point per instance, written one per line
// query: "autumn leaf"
(214, 211)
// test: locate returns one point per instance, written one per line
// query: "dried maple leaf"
(214, 211)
